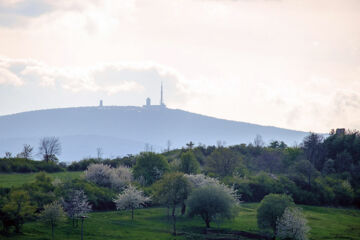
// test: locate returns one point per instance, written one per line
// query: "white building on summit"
(162, 104)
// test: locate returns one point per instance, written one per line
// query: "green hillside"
(325, 223)
(18, 179)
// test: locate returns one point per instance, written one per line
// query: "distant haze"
(120, 131)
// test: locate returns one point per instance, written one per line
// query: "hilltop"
(121, 130)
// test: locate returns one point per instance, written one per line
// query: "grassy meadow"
(151, 223)
(18, 179)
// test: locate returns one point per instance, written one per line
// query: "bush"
(271, 208)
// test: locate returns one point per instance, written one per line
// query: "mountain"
(121, 130)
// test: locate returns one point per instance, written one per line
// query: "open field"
(325, 223)
(18, 179)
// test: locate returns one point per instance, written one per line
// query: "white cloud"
(9, 78)
(111, 78)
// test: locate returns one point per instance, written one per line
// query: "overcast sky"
(287, 63)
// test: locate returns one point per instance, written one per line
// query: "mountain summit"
(121, 130)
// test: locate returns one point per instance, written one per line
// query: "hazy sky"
(287, 63)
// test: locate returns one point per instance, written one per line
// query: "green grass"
(151, 223)
(18, 179)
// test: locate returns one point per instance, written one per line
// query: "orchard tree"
(52, 215)
(172, 190)
(188, 163)
(49, 148)
(271, 208)
(211, 202)
(150, 167)
(76, 205)
(130, 199)
(292, 225)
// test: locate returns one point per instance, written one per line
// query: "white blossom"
(99, 174)
(200, 180)
(104, 175)
(292, 225)
(77, 205)
(130, 199)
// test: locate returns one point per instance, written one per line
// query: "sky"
(287, 63)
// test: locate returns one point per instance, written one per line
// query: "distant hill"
(121, 130)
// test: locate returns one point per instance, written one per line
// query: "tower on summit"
(162, 97)
(161, 105)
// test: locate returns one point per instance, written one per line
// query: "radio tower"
(161, 96)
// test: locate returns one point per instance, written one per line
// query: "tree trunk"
(168, 213)
(207, 223)
(183, 209)
(82, 228)
(52, 231)
(174, 220)
(132, 215)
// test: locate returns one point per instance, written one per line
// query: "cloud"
(16, 12)
(109, 78)
(9, 78)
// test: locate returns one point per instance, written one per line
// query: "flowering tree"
(76, 204)
(200, 180)
(121, 177)
(130, 199)
(292, 225)
(99, 174)
(105, 176)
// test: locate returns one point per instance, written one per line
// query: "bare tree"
(258, 141)
(26, 152)
(49, 148)
(190, 145)
(8, 154)
(168, 144)
(99, 153)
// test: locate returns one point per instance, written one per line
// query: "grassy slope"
(18, 179)
(326, 223)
